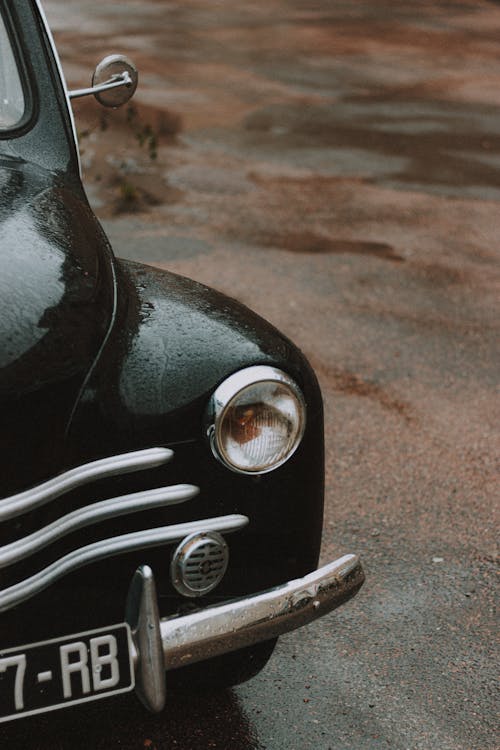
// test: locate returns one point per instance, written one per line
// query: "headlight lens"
(257, 419)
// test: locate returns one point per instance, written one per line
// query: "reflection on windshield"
(11, 91)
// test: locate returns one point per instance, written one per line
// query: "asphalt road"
(335, 166)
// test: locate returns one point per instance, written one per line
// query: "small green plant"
(143, 133)
(128, 197)
(128, 192)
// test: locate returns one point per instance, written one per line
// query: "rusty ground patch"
(308, 242)
(352, 384)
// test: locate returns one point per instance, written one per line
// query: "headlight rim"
(228, 391)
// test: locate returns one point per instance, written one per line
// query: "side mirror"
(114, 82)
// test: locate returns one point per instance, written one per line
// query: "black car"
(148, 423)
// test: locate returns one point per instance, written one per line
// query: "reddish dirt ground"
(336, 166)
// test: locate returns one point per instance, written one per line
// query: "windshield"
(12, 103)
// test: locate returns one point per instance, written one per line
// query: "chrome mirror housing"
(114, 82)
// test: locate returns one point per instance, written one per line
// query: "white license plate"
(64, 671)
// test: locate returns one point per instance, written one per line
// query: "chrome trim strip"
(125, 463)
(95, 513)
(19, 592)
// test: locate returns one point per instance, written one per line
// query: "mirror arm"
(117, 80)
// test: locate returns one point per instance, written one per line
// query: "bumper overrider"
(160, 644)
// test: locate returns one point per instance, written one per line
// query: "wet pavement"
(335, 166)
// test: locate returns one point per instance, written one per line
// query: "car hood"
(175, 342)
(56, 298)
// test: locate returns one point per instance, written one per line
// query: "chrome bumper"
(169, 643)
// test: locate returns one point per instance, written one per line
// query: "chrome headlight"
(256, 420)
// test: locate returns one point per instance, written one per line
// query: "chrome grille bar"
(19, 592)
(95, 513)
(125, 463)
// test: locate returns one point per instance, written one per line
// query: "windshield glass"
(12, 102)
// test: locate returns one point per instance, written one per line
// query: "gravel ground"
(336, 166)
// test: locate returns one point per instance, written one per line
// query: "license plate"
(64, 671)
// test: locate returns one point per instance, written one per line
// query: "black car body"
(102, 358)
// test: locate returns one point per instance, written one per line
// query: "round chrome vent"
(199, 563)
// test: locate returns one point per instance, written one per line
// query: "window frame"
(29, 114)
